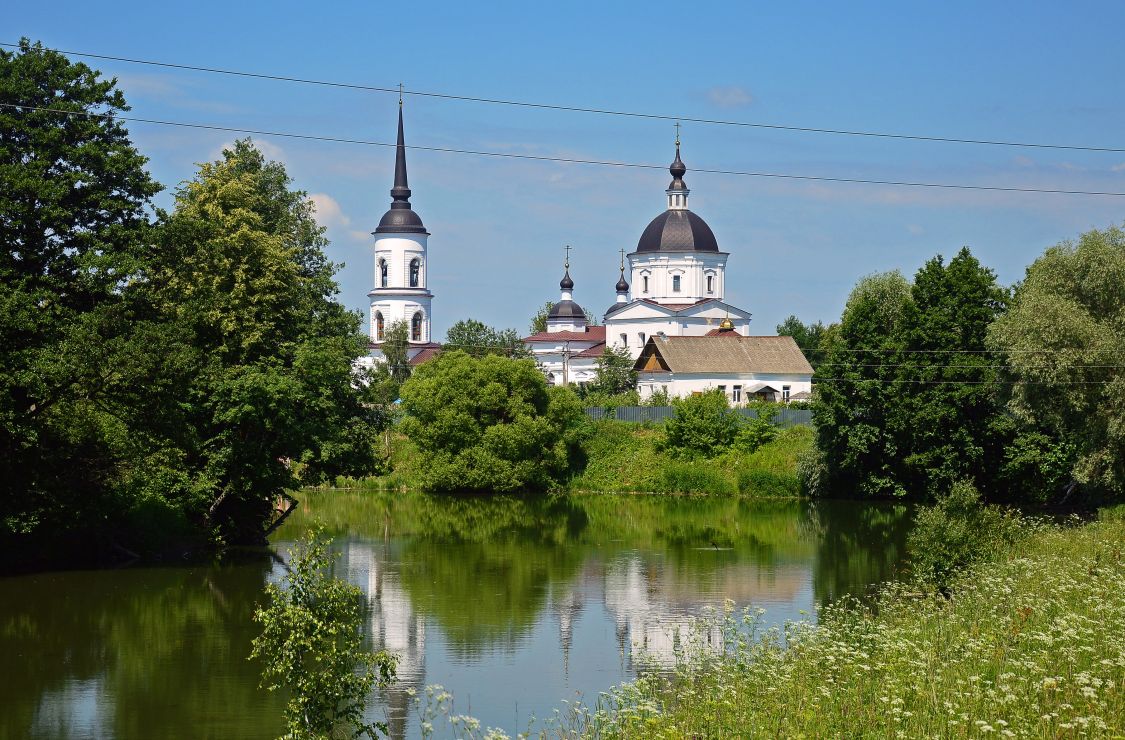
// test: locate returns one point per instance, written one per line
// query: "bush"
(756, 432)
(957, 531)
(490, 424)
(812, 472)
(766, 483)
(694, 477)
(702, 424)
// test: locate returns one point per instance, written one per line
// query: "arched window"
(710, 283)
(382, 273)
(675, 283)
(415, 269)
(550, 378)
(644, 283)
(379, 326)
(416, 327)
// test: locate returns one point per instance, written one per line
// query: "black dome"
(400, 221)
(566, 283)
(566, 310)
(622, 286)
(677, 231)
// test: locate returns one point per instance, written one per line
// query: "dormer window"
(644, 284)
(710, 283)
(675, 283)
(382, 273)
(415, 270)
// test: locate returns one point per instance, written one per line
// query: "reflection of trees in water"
(860, 545)
(137, 653)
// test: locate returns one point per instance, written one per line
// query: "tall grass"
(1029, 645)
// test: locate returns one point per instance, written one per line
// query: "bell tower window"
(379, 326)
(416, 327)
(415, 270)
(382, 273)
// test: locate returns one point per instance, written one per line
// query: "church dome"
(566, 310)
(678, 231)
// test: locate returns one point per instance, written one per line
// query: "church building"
(401, 267)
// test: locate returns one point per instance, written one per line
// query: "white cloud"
(328, 211)
(1118, 167)
(270, 150)
(732, 96)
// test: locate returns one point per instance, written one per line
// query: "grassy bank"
(627, 458)
(1030, 645)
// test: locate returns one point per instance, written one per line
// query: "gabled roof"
(726, 353)
(592, 334)
(596, 351)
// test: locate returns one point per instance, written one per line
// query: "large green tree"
(490, 424)
(909, 399)
(240, 266)
(74, 201)
(808, 337)
(1064, 339)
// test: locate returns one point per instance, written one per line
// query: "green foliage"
(311, 647)
(703, 424)
(478, 339)
(659, 398)
(615, 374)
(73, 199)
(396, 360)
(1065, 343)
(690, 476)
(490, 424)
(539, 320)
(910, 401)
(808, 337)
(956, 532)
(757, 431)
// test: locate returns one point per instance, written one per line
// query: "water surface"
(511, 605)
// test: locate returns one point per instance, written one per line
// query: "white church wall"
(679, 385)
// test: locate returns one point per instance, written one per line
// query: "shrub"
(311, 646)
(812, 472)
(703, 424)
(756, 432)
(694, 477)
(767, 483)
(957, 531)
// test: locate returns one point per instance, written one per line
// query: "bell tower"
(400, 292)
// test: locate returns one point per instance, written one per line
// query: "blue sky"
(1045, 72)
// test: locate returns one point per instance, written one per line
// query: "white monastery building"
(677, 292)
(672, 318)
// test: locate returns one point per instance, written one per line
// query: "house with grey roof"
(744, 368)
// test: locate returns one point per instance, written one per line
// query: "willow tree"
(1065, 342)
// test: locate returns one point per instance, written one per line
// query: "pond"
(512, 605)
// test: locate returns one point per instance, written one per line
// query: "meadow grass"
(1031, 644)
(628, 458)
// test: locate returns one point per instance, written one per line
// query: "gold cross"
(677, 133)
(566, 264)
(622, 260)
(400, 96)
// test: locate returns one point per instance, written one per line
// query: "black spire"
(401, 191)
(401, 218)
(678, 170)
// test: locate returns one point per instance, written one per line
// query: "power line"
(598, 111)
(564, 160)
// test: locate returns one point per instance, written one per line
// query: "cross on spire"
(400, 100)
(622, 259)
(677, 133)
(566, 262)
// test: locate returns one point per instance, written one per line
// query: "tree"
(478, 339)
(807, 336)
(539, 320)
(615, 372)
(240, 267)
(311, 647)
(74, 196)
(854, 405)
(908, 403)
(490, 424)
(703, 424)
(1065, 343)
